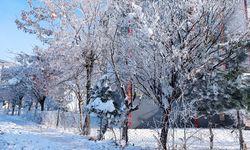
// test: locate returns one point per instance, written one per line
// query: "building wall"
(238, 21)
(4, 64)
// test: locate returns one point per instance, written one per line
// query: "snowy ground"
(17, 133)
(197, 139)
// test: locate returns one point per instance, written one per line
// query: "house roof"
(3, 61)
(6, 63)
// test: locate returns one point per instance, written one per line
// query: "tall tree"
(178, 42)
(71, 29)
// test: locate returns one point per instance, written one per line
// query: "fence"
(147, 138)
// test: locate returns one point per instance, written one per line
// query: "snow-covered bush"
(106, 104)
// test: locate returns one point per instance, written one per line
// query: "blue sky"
(13, 40)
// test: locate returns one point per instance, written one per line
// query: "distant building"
(239, 22)
(4, 64)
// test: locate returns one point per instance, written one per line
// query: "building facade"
(4, 64)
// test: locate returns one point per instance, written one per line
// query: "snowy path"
(17, 133)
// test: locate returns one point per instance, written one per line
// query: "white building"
(239, 22)
(4, 64)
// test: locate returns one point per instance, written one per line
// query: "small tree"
(109, 106)
(209, 98)
(239, 100)
(72, 32)
(104, 105)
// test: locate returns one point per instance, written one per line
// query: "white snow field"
(17, 133)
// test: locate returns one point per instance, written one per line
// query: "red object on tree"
(130, 102)
(130, 31)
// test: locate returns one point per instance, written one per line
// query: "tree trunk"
(125, 131)
(36, 107)
(241, 140)
(89, 70)
(86, 127)
(128, 104)
(164, 130)
(185, 137)
(8, 108)
(41, 101)
(42, 106)
(100, 135)
(80, 115)
(19, 106)
(13, 109)
(103, 127)
(19, 109)
(58, 118)
(211, 138)
(29, 109)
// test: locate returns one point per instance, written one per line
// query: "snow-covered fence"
(147, 138)
(64, 120)
(195, 138)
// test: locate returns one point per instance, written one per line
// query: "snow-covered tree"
(118, 29)
(105, 103)
(29, 77)
(181, 44)
(71, 29)
(15, 91)
(15, 86)
(164, 47)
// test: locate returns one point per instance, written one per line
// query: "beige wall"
(240, 22)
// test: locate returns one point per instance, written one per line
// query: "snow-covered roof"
(3, 61)
(6, 63)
